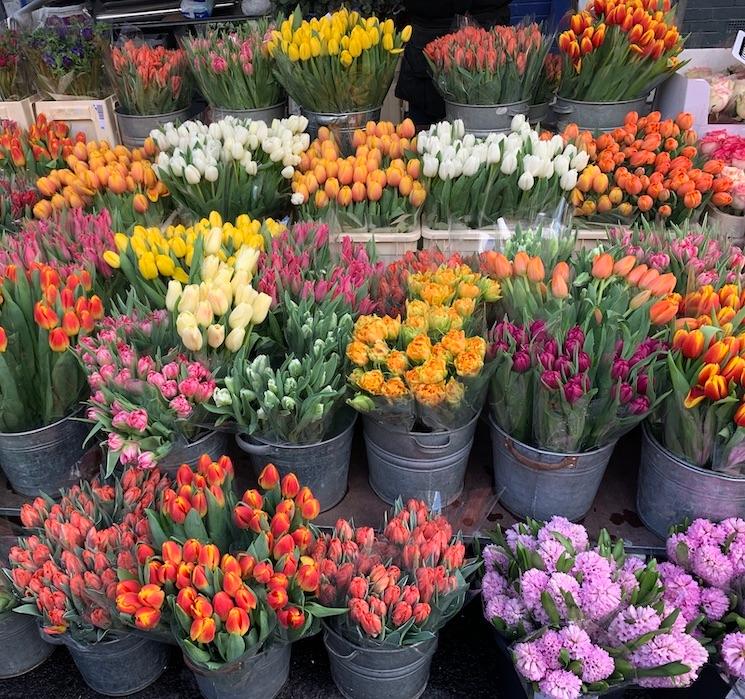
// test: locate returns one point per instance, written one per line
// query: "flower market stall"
(286, 386)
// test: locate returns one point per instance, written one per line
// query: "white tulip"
(261, 308)
(469, 140)
(561, 164)
(236, 151)
(185, 320)
(213, 241)
(445, 170)
(277, 155)
(532, 164)
(246, 259)
(492, 154)
(547, 169)
(246, 294)
(252, 168)
(525, 182)
(172, 137)
(189, 299)
(297, 199)
(471, 166)
(579, 161)
(518, 121)
(191, 174)
(204, 314)
(509, 163)
(211, 173)
(288, 172)
(210, 265)
(235, 338)
(568, 180)
(215, 131)
(192, 339)
(459, 129)
(215, 335)
(241, 135)
(241, 315)
(173, 294)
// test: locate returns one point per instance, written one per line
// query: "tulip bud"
(189, 299)
(260, 308)
(215, 335)
(173, 294)
(234, 340)
(192, 339)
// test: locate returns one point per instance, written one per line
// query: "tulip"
(624, 265)
(716, 388)
(602, 266)
(535, 270)
(146, 618)
(520, 263)
(58, 340)
(269, 477)
(186, 598)
(203, 630)
(151, 596)
(739, 416)
(663, 311)
(209, 556)
(263, 572)
(237, 622)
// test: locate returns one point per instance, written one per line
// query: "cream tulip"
(173, 294)
(235, 338)
(215, 335)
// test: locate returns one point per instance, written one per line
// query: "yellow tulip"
(112, 259)
(292, 53)
(304, 51)
(147, 266)
(406, 33)
(355, 48)
(180, 275)
(315, 46)
(215, 220)
(387, 42)
(165, 265)
(346, 59)
(178, 247)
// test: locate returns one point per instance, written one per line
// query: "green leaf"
(194, 527)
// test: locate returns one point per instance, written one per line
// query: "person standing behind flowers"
(430, 20)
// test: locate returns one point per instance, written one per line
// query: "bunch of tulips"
(619, 50)
(232, 66)
(150, 80)
(342, 62)
(42, 314)
(99, 177)
(493, 66)
(151, 257)
(66, 569)
(13, 81)
(42, 147)
(19, 195)
(648, 168)
(399, 587)
(377, 187)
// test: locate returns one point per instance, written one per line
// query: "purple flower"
(576, 641)
(714, 603)
(583, 361)
(551, 644)
(669, 648)
(510, 611)
(639, 405)
(515, 537)
(547, 361)
(561, 684)
(597, 665)
(632, 623)
(680, 590)
(576, 533)
(529, 661)
(493, 585)
(712, 566)
(733, 654)
(495, 558)
(533, 582)
(561, 585)
(620, 370)
(599, 598)
(704, 532)
(642, 384)
(521, 362)
(592, 565)
(550, 551)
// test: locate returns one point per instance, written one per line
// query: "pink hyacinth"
(529, 661)
(733, 655)
(561, 684)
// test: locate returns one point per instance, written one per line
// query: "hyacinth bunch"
(649, 168)
(392, 287)
(377, 187)
(40, 148)
(472, 182)
(221, 605)
(66, 242)
(619, 50)
(559, 393)
(399, 587)
(66, 56)
(149, 80)
(295, 398)
(342, 62)
(66, 570)
(150, 257)
(99, 176)
(303, 263)
(13, 83)
(703, 416)
(145, 404)
(427, 370)
(585, 618)
(695, 257)
(232, 166)
(43, 313)
(18, 198)
(232, 67)
(493, 66)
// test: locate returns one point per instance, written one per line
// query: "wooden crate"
(21, 112)
(95, 118)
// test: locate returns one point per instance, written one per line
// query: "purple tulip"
(573, 390)
(521, 362)
(551, 379)
(583, 361)
(620, 370)
(563, 365)
(639, 405)
(642, 384)
(626, 393)
(547, 360)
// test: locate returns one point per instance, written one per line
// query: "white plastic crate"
(95, 118)
(21, 112)
(682, 94)
(389, 244)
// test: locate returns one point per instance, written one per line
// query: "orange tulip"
(237, 622)
(692, 344)
(3, 340)
(535, 270)
(146, 618)
(602, 266)
(151, 596)
(663, 311)
(269, 477)
(739, 416)
(624, 265)
(58, 340)
(499, 265)
(520, 263)
(716, 388)
(203, 630)
(636, 274)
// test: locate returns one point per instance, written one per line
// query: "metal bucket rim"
(490, 106)
(250, 109)
(206, 436)
(151, 116)
(599, 104)
(336, 438)
(706, 472)
(27, 433)
(415, 435)
(228, 668)
(111, 639)
(339, 115)
(329, 630)
(592, 452)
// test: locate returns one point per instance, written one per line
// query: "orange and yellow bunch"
(649, 167)
(377, 187)
(99, 176)
(618, 50)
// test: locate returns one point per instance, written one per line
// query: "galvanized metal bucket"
(482, 119)
(670, 489)
(23, 647)
(377, 673)
(596, 116)
(536, 483)
(259, 676)
(323, 467)
(135, 129)
(214, 444)
(538, 113)
(46, 459)
(121, 666)
(429, 466)
(342, 126)
(266, 114)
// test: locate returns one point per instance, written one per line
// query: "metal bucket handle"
(562, 110)
(566, 462)
(339, 655)
(514, 111)
(432, 447)
(251, 448)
